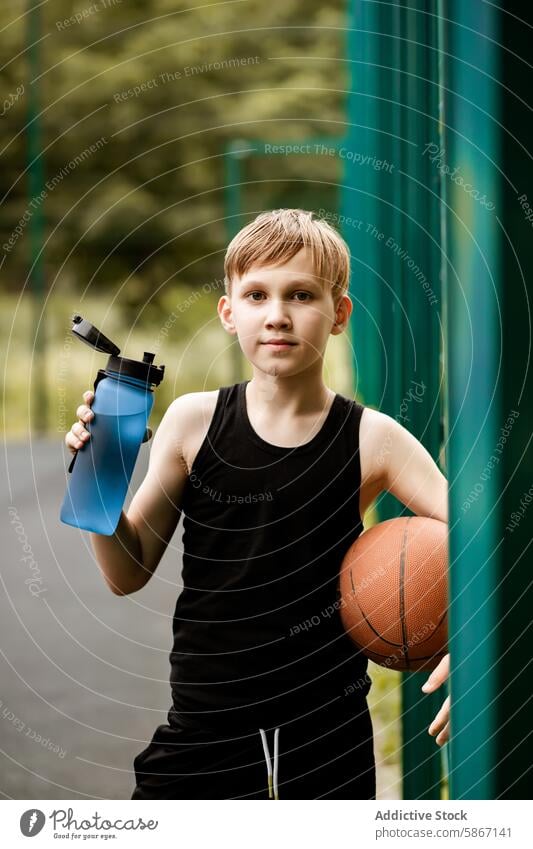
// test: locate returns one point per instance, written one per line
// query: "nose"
(277, 314)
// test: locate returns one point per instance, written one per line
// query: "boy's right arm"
(129, 557)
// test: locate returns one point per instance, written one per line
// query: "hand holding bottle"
(78, 435)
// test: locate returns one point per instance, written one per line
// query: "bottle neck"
(133, 381)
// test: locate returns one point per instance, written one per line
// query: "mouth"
(280, 343)
(280, 346)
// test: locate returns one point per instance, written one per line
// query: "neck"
(297, 394)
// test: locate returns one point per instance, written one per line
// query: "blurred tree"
(139, 99)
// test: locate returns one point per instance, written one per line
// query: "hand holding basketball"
(441, 724)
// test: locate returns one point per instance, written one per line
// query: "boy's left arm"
(412, 476)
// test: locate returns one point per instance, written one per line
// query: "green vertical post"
(443, 235)
(420, 405)
(471, 145)
(514, 753)
(360, 199)
(392, 209)
(490, 291)
(235, 152)
(392, 114)
(442, 87)
(36, 276)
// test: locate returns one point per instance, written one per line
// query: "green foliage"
(150, 201)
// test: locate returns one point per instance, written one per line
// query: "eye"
(250, 296)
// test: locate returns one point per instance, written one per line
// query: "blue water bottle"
(101, 470)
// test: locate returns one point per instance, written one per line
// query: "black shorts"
(326, 754)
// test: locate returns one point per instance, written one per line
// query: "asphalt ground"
(83, 672)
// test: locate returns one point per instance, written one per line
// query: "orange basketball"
(393, 593)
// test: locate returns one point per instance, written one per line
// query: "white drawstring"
(271, 773)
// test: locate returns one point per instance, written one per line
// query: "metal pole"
(419, 407)
(472, 333)
(36, 193)
(392, 112)
(490, 292)
(233, 203)
(360, 199)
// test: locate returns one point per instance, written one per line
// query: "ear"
(343, 311)
(226, 315)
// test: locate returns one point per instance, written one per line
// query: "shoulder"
(190, 411)
(190, 416)
(193, 405)
(375, 443)
(375, 426)
(386, 446)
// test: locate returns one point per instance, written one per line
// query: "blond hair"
(275, 237)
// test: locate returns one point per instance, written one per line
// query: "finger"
(441, 719)
(71, 442)
(80, 431)
(438, 676)
(79, 435)
(85, 414)
(88, 397)
(444, 735)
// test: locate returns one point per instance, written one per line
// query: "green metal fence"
(393, 115)
(441, 211)
(489, 270)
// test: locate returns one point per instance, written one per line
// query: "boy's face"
(287, 302)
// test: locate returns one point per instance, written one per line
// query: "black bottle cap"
(90, 334)
(144, 370)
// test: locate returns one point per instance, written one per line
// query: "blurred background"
(137, 136)
(136, 104)
(122, 127)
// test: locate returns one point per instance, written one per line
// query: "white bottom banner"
(233, 824)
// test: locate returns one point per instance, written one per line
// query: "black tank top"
(257, 630)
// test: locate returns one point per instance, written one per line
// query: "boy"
(274, 476)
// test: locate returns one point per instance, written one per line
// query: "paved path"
(84, 673)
